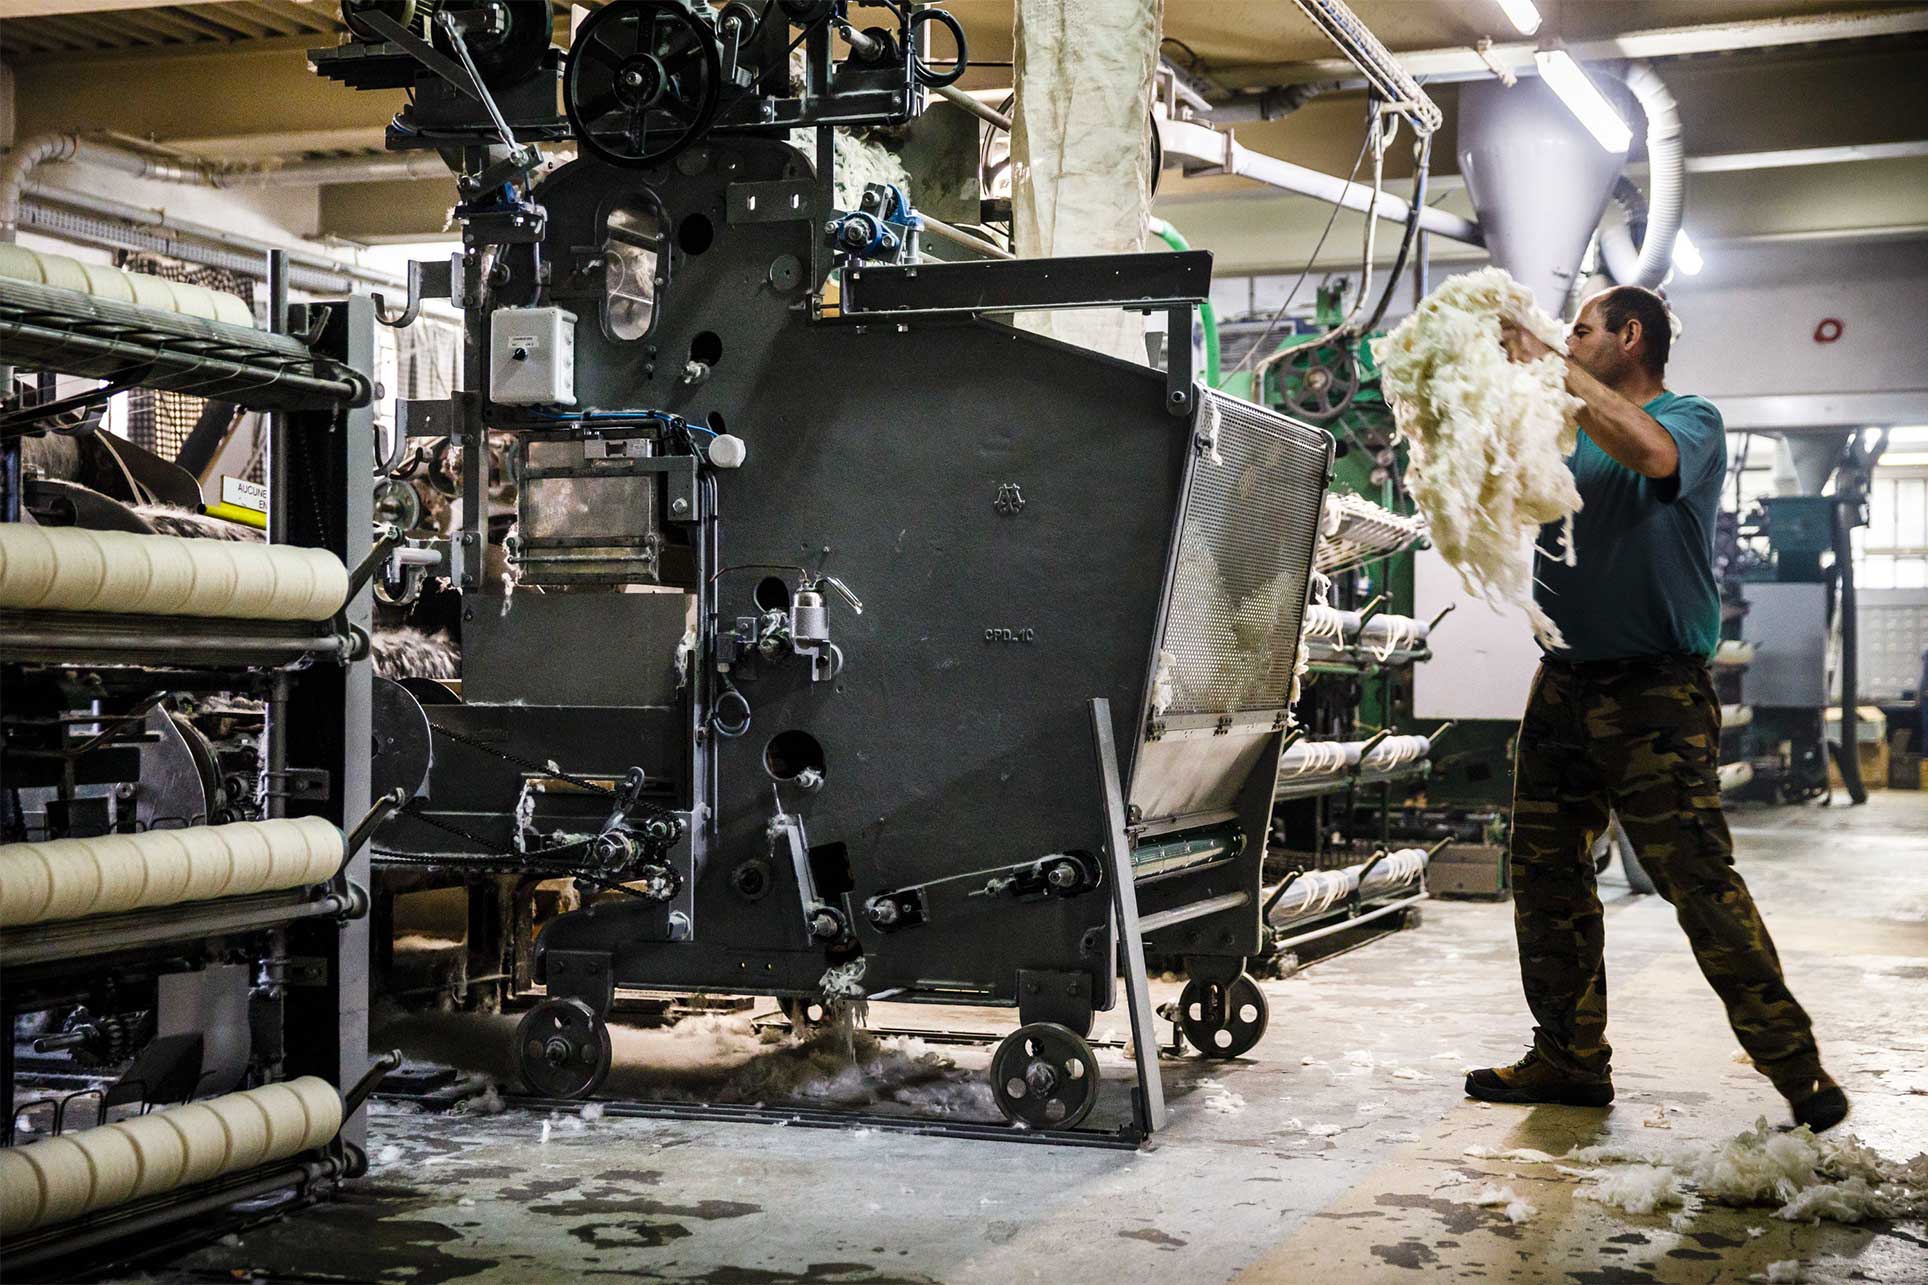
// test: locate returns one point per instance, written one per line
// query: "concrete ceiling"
(228, 80)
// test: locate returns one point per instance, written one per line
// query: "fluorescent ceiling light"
(1687, 254)
(1584, 99)
(1522, 14)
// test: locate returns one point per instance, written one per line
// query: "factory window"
(1892, 550)
(632, 254)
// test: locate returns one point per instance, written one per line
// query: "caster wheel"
(1222, 1020)
(804, 1014)
(1044, 1076)
(563, 1049)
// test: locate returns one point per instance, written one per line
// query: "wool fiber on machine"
(1487, 436)
(410, 653)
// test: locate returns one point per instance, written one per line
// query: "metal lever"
(843, 591)
(352, 1100)
(387, 537)
(384, 805)
(522, 157)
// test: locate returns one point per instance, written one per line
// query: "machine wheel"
(563, 1049)
(642, 82)
(1319, 381)
(1044, 1076)
(804, 1014)
(1223, 1020)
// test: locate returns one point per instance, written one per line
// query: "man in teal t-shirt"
(1625, 720)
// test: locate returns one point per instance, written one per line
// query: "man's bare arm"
(1616, 424)
(1621, 429)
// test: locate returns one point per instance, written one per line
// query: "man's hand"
(1521, 344)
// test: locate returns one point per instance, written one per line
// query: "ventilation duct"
(1538, 181)
(1660, 210)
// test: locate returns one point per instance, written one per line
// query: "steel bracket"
(1064, 998)
(587, 975)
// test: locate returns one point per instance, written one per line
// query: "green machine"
(1328, 378)
(1785, 603)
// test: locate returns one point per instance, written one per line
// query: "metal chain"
(527, 861)
(547, 769)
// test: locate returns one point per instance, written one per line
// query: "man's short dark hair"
(1636, 303)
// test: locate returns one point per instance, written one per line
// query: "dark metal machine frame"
(984, 622)
(309, 1006)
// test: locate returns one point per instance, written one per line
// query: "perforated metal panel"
(1231, 633)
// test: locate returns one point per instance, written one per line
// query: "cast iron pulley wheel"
(805, 1014)
(563, 1049)
(1222, 1019)
(642, 82)
(1044, 1076)
(1319, 381)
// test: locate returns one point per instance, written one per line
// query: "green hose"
(1207, 315)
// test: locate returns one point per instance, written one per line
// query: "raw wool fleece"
(1081, 147)
(1805, 1177)
(1487, 436)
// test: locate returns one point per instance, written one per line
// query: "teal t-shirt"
(1643, 581)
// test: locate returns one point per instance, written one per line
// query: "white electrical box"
(532, 357)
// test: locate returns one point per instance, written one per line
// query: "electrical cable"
(1272, 326)
(1379, 138)
(1422, 162)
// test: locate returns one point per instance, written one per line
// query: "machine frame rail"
(1124, 1138)
(52, 328)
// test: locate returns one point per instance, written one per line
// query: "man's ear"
(1631, 333)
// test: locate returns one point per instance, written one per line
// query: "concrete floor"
(1335, 1152)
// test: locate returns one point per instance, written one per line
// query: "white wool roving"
(1487, 437)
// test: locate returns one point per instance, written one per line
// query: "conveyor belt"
(51, 328)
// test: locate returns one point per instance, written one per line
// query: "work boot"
(1534, 1079)
(1822, 1109)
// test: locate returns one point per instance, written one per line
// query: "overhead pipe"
(30, 153)
(1666, 177)
(312, 270)
(327, 170)
(1273, 104)
(1202, 145)
(978, 108)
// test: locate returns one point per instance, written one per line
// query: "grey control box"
(532, 357)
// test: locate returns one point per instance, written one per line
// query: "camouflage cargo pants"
(1640, 738)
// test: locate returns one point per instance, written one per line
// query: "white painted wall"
(1749, 342)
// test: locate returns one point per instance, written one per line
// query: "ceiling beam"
(48, 8)
(1465, 62)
